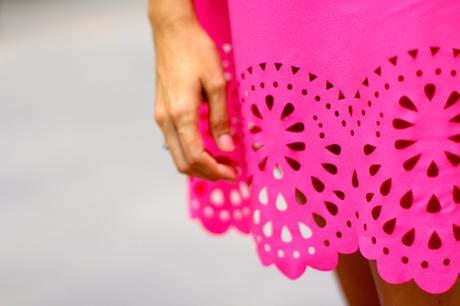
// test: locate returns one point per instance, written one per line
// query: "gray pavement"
(92, 212)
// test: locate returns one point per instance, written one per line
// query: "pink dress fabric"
(346, 118)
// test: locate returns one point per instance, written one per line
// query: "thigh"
(355, 279)
(409, 294)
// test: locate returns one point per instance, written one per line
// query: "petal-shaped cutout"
(410, 163)
(432, 170)
(430, 90)
(407, 103)
(287, 110)
(296, 127)
(295, 165)
(269, 101)
(452, 99)
(255, 111)
(401, 124)
(404, 143)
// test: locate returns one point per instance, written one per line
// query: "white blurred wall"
(90, 213)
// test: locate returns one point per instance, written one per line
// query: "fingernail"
(225, 142)
(227, 172)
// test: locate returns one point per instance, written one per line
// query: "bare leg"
(408, 294)
(355, 279)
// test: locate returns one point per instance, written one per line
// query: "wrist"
(165, 22)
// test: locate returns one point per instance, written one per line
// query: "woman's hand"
(187, 64)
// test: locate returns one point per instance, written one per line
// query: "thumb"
(215, 89)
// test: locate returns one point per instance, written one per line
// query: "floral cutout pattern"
(377, 170)
(324, 170)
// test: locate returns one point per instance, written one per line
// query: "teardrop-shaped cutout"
(385, 187)
(317, 184)
(331, 208)
(263, 163)
(255, 111)
(376, 212)
(354, 179)
(401, 124)
(455, 138)
(456, 194)
(373, 169)
(389, 226)
(406, 200)
(295, 165)
(453, 158)
(305, 230)
(300, 197)
(256, 216)
(368, 149)
(452, 99)
(287, 110)
(296, 146)
(407, 103)
(455, 119)
(280, 204)
(334, 149)
(277, 173)
(369, 196)
(410, 163)
(296, 127)
(331, 168)
(432, 170)
(319, 220)
(263, 195)
(433, 206)
(404, 143)
(286, 234)
(408, 238)
(434, 243)
(340, 194)
(456, 231)
(267, 229)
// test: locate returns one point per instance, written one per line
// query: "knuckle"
(183, 168)
(194, 159)
(159, 117)
(216, 84)
(220, 123)
(178, 114)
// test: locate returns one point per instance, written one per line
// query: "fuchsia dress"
(346, 117)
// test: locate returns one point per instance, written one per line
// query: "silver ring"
(165, 146)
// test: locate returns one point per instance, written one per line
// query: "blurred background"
(92, 212)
